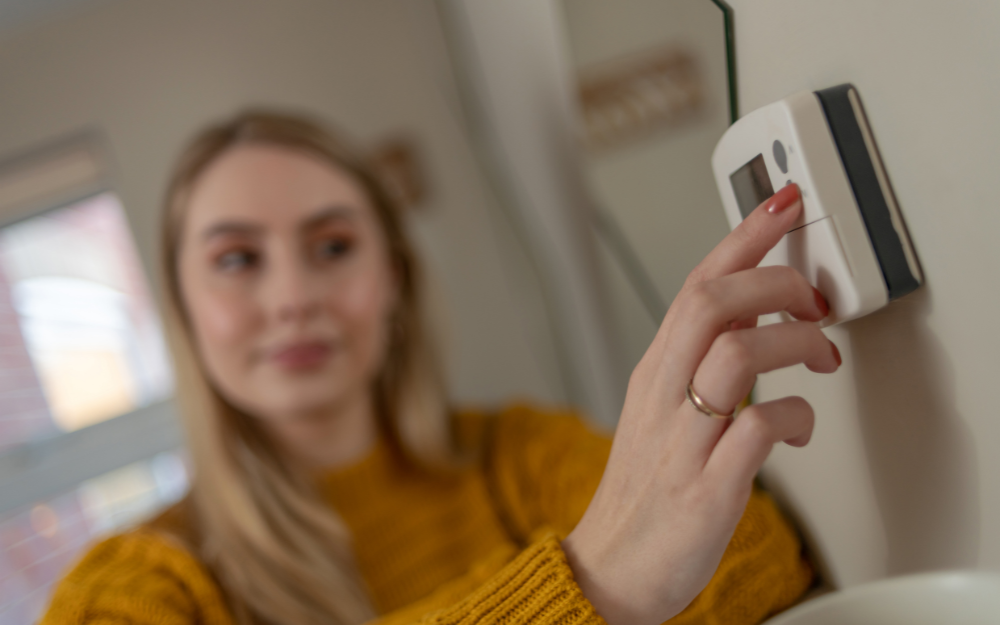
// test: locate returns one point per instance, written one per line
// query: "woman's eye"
(236, 260)
(332, 248)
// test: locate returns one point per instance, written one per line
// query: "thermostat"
(851, 242)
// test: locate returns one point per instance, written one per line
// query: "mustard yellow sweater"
(480, 548)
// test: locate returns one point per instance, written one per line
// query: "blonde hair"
(278, 551)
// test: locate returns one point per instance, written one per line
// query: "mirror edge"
(727, 23)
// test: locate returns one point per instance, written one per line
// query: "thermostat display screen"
(751, 184)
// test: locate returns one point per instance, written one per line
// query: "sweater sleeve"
(546, 467)
(142, 578)
(533, 586)
(137, 578)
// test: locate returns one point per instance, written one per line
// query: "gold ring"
(700, 404)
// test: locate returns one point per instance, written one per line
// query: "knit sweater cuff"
(536, 588)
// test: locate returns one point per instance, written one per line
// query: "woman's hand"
(677, 481)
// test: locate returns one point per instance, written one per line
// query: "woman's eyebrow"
(330, 213)
(246, 228)
(231, 227)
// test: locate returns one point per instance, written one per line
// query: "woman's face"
(285, 274)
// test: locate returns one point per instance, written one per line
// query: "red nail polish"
(821, 302)
(783, 199)
(836, 353)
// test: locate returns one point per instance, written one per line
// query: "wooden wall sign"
(628, 98)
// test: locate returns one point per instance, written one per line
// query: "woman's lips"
(302, 355)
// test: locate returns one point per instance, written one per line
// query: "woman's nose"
(289, 294)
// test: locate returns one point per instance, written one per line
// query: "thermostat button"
(779, 156)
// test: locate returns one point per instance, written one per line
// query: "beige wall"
(902, 472)
(147, 74)
(657, 187)
(519, 76)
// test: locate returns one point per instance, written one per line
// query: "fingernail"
(783, 199)
(821, 302)
(836, 353)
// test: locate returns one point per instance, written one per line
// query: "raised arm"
(677, 480)
(545, 466)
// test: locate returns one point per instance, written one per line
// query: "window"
(88, 442)
(81, 341)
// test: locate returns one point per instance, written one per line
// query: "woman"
(332, 484)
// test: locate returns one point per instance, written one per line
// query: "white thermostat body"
(851, 242)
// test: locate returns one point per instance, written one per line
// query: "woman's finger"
(750, 241)
(745, 445)
(742, 249)
(743, 324)
(729, 370)
(708, 309)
